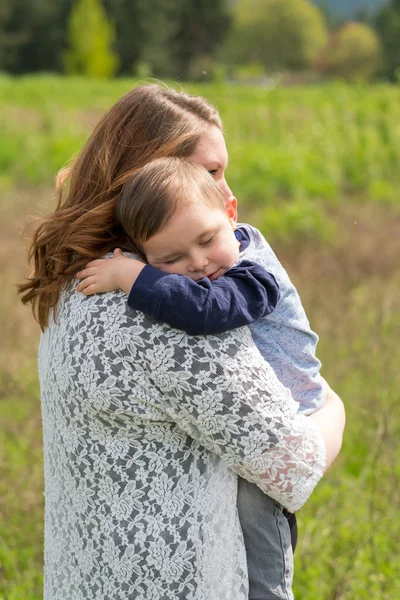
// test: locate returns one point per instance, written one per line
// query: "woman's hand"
(330, 420)
(107, 275)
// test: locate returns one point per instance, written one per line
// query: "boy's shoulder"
(252, 233)
(255, 241)
(259, 251)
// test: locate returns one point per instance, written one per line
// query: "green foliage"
(202, 25)
(32, 34)
(126, 14)
(280, 35)
(348, 529)
(180, 37)
(142, 69)
(172, 36)
(249, 72)
(205, 68)
(21, 467)
(352, 53)
(295, 153)
(387, 24)
(90, 36)
(158, 23)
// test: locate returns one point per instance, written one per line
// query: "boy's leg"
(267, 538)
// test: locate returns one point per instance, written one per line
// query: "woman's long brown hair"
(147, 123)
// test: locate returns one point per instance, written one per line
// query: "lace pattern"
(145, 431)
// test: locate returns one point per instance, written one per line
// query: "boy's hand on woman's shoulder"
(108, 275)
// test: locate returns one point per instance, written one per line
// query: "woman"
(145, 428)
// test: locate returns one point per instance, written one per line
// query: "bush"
(90, 36)
(278, 34)
(352, 53)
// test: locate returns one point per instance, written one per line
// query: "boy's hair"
(149, 122)
(152, 195)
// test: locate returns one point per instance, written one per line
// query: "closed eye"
(206, 242)
(171, 261)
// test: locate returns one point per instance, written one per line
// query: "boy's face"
(197, 241)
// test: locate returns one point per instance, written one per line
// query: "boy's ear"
(231, 209)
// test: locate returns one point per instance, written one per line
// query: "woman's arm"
(330, 420)
(216, 389)
(221, 392)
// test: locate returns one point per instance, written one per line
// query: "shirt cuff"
(148, 277)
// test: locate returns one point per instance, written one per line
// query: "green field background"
(317, 169)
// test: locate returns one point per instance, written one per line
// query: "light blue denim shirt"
(285, 338)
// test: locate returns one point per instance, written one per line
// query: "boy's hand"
(107, 275)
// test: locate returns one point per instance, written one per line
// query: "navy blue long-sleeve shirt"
(244, 294)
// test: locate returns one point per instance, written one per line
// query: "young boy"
(206, 274)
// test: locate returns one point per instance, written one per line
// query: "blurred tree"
(90, 36)
(387, 24)
(47, 23)
(280, 34)
(130, 35)
(10, 38)
(32, 34)
(352, 52)
(159, 21)
(202, 26)
(174, 38)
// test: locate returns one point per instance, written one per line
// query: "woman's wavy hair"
(149, 122)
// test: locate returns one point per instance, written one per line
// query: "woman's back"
(144, 428)
(135, 508)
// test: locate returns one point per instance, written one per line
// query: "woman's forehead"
(211, 149)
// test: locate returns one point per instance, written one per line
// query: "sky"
(348, 8)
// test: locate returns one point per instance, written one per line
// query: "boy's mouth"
(214, 275)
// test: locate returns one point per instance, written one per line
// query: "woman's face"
(211, 153)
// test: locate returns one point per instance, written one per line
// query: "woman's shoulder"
(255, 237)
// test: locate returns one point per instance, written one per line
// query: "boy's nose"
(198, 262)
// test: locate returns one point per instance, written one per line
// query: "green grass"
(296, 153)
(348, 530)
(21, 507)
(317, 169)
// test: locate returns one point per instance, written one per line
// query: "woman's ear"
(231, 209)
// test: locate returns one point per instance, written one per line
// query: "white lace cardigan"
(145, 431)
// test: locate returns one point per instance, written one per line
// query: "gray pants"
(267, 539)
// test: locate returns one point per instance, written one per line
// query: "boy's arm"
(103, 275)
(243, 295)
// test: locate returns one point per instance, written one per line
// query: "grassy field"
(296, 153)
(318, 170)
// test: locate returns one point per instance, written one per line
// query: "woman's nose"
(225, 188)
